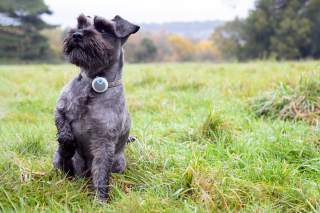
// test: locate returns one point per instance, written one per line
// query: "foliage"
(288, 29)
(292, 36)
(206, 51)
(145, 53)
(269, 165)
(20, 23)
(159, 46)
(292, 101)
(183, 48)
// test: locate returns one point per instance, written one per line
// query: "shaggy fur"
(93, 128)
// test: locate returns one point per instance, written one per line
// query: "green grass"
(200, 148)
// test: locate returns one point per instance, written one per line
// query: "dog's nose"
(77, 36)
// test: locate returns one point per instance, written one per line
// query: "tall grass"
(292, 101)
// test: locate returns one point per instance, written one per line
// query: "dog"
(94, 125)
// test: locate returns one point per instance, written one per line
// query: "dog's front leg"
(101, 167)
(66, 139)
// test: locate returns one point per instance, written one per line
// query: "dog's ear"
(123, 28)
(83, 21)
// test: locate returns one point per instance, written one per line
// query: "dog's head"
(96, 42)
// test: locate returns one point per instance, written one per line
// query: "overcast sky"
(147, 11)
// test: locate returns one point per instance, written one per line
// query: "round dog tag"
(100, 84)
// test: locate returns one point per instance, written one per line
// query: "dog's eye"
(103, 32)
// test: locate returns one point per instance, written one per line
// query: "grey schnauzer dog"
(93, 128)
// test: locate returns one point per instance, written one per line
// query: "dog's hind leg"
(119, 163)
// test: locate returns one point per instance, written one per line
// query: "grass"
(200, 147)
(298, 100)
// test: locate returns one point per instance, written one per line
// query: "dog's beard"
(92, 53)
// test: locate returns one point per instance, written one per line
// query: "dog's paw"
(67, 150)
(132, 138)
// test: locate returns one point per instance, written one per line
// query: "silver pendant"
(100, 84)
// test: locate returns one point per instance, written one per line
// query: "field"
(200, 149)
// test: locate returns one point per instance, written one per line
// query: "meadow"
(201, 146)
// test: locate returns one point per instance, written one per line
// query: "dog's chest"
(90, 111)
(80, 129)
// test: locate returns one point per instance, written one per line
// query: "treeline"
(277, 29)
(24, 36)
(163, 47)
(146, 47)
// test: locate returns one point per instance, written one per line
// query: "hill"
(195, 29)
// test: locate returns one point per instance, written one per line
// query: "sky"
(65, 12)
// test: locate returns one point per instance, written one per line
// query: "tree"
(258, 29)
(229, 39)
(148, 50)
(289, 29)
(143, 51)
(292, 36)
(164, 47)
(206, 51)
(312, 13)
(20, 23)
(55, 38)
(183, 48)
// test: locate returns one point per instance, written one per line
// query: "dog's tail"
(132, 139)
